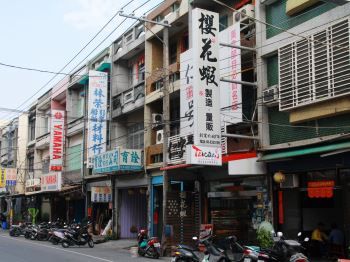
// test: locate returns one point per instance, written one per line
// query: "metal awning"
(305, 151)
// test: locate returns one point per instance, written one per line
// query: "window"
(141, 72)
(80, 104)
(223, 22)
(45, 166)
(117, 102)
(74, 158)
(159, 84)
(175, 7)
(174, 77)
(135, 136)
(310, 71)
(131, 76)
(173, 53)
(31, 129)
(159, 18)
(31, 163)
(184, 42)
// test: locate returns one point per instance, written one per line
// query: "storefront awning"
(305, 151)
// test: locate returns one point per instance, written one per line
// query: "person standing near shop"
(336, 241)
(319, 239)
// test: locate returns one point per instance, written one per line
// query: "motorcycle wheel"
(153, 252)
(140, 252)
(65, 244)
(54, 241)
(91, 243)
(12, 233)
(32, 237)
(26, 235)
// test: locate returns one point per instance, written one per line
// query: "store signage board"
(2, 177)
(117, 160)
(230, 68)
(177, 148)
(106, 162)
(101, 194)
(11, 176)
(57, 140)
(97, 114)
(51, 182)
(203, 155)
(248, 166)
(33, 182)
(206, 78)
(130, 159)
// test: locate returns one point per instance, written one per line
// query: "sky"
(46, 35)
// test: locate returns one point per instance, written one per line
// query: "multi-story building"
(303, 73)
(222, 196)
(127, 127)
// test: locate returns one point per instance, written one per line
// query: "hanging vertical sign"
(206, 78)
(57, 140)
(186, 93)
(11, 176)
(230, 68)
(2, 177)
(97, 114)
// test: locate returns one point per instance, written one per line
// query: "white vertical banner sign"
(206, 78)
(97, 114)
(186, 93)
(230, 68)
(57, 140)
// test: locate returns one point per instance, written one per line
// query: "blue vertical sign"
(97, 114)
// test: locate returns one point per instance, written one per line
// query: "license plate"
(156, 244)
(247, 260)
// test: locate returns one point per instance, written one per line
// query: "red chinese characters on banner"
(320, 189)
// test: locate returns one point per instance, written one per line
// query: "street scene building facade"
(217, 116)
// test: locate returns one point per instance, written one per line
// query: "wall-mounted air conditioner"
(270, 95)
(128, 97)
(244, 13)
(291, 181)
(157, 120)
(159, 137)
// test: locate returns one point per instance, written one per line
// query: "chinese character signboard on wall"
(97, 114)
(118, 159)
(186, 93)
(11, 176)
(57, 140)
(51, 181)
(2, 177)
(130, 159)
(230, 68)
(206, 78)
(101, 194)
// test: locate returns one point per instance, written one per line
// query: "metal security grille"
(315, 69)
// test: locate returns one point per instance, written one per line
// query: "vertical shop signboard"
(2, 177)
(97, 114)
(11, 176)
(230, 68)
(206, 78)
(57, 140)
(186, 93)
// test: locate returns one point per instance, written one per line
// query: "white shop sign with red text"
(204, 155)
(57, 140)
(51, 181)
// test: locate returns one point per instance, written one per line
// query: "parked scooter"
(17, 230)
(148, 246)
(77, 237)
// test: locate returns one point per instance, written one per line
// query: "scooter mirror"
(299, 234)
(279, 234)
(195, 238)
(306, 239)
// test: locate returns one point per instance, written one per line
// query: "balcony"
(75, 127)
(154, 155)
(43, 141)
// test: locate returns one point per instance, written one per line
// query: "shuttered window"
(315, 69)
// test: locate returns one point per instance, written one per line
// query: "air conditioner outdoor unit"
(270, 95)
(244, 13)
(291, 181)
(157, 120)
(159, 137)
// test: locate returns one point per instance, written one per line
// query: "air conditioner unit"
(270, 95)
(267, 2)
(291, 181)
(128, 97)
(157, 120)
(244, 13)
(159, 137)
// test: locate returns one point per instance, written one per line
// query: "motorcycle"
(77, 237)
(148, 246)
(17, 230)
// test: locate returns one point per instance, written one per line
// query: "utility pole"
(166, 128)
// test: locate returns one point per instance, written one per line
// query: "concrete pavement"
(18, 249)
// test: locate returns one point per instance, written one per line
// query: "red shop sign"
(320, 189)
